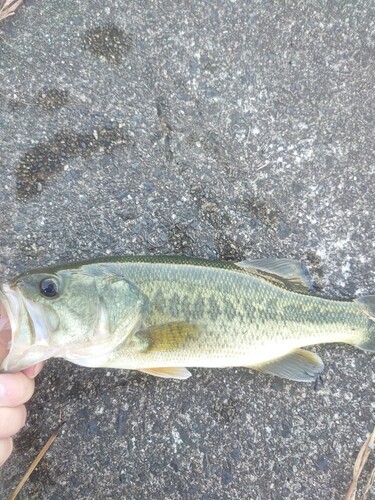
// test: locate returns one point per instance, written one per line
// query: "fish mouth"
(24, 331)
(5, 332)
(9, 312)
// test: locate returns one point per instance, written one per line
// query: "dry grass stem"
(362, 458)
(7, 8)
(369, 484)
(38, 458)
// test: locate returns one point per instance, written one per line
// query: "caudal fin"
(367, 302)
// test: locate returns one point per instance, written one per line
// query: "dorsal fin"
(286, 272)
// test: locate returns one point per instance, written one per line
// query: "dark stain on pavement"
(180, 239)
(261, 211)
(210, 207)
(46, 159)
(227, 249)
(15, 104)
(315, 265)
(52, 98)
(107, 42)
(166, 128)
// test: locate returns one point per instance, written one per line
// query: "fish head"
(72, 313)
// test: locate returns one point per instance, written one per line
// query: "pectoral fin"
(164, 338)
(178, 373)
(298, 365)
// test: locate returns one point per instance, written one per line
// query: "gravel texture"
(223, 129)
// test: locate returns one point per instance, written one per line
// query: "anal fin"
(298, 365)
(178, 373)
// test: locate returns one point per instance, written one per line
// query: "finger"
(33, 371)
(11, 420)
(6, 447)
(15, 389)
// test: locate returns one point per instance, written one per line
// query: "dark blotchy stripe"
(213, 308)
(199, 308)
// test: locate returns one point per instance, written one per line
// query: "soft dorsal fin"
(287, 272)
(178, 373)
(298, 365)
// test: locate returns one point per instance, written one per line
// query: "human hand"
(15, 390)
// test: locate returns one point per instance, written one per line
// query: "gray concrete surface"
(222, 129)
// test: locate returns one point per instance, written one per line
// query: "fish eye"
(49, 287)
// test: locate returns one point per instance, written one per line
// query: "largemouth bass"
(161, 315)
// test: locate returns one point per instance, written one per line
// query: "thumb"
(33, 371)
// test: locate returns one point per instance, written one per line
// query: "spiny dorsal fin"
(298, 365)
(178, 373)
(288, 272)
(167, 337)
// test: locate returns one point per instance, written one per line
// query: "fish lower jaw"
(5, 333)
(21, 358)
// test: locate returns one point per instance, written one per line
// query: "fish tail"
(367, 342)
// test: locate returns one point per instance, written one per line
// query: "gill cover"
(93, 310)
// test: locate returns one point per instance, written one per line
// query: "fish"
(162, 315)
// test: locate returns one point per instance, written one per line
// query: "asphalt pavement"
(225, 130)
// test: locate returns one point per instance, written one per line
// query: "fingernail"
(2, 392)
